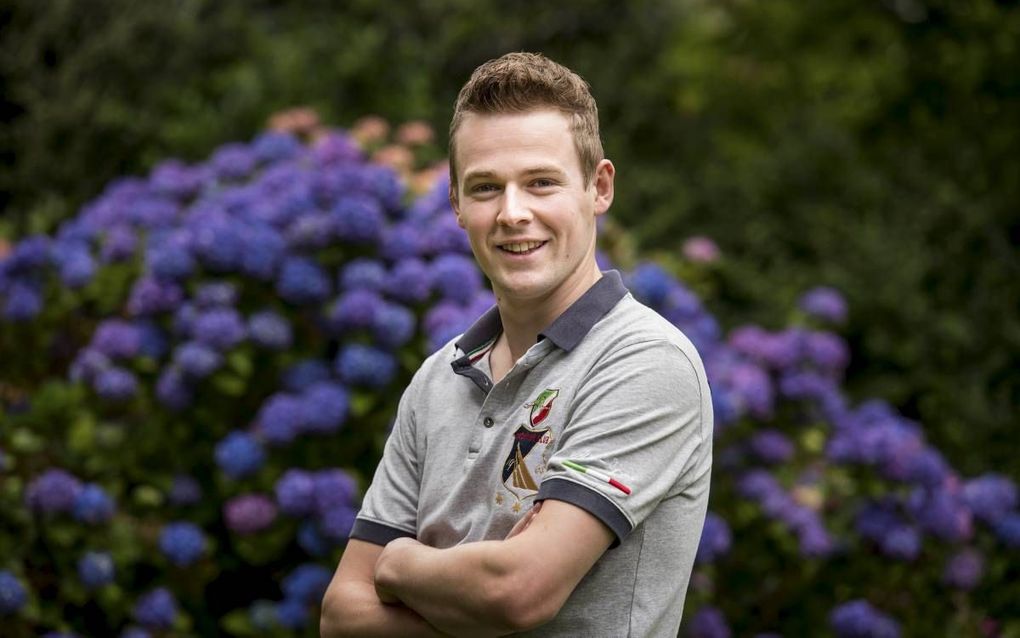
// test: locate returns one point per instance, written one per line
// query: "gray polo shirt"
(611, 386)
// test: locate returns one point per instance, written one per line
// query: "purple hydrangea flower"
(409, 280)
(196, 361)
(182, 543)
(716, 539)
(184, 491)
(77, 268)
(157, 609)
(170, 258)
(239, 455)
(365, 366)
(354, 310)
(990, 496)
(771, 446)
(401, 241)
(358, 219)
(327, 405)
(877, 519)
(220, 328)
(311, 231)
(444, 235)
(23, 302)
(826, 351)
(173, 390)
(115, 384)
(754, 387)
(263, 250)
(119, 244)
(700, 250)
(858, 619)
(175, 179)
(13, 595)
(87, 364)
(650, 283)
(393, 325)
(217, 294)
(456, 277)
(304, 374)
(964, 570)
(233, 161)
(680, 305)
(270, 330)
(336, 148)
(336, 524)
(292, 614)
(295, 492)
(95, 569)
(273, 146)
(365, 274)
(804, 384)
(249, 513)
(150, 296)
(311, 540)
(307, 583)
(117, 339)
(1007, 529)
(93, 505)
(55, 490)
(824, 303)
(708, 622)
(27, 255)
(902, 542)
(281, 418)
(943, 514)
(443, 322)
(334, 490)
(302, 281)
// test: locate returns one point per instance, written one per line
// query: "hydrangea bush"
(201, 367)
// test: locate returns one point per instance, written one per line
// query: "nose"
(513, 208)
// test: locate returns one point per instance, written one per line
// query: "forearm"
(465, 590)
(354, 609)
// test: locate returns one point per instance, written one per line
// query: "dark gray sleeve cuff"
(589, 500)
(376, 533)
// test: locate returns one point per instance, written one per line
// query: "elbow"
(331, 618)
(522, 605)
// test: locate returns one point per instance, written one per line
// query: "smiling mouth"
(522, 248)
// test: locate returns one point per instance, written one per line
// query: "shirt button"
(488, 422)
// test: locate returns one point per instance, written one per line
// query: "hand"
(386, 568)
(525, 521)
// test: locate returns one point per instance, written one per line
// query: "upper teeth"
(522, 247)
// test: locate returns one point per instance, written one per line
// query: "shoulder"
(636, 330)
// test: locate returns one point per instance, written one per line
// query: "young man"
(548, 471)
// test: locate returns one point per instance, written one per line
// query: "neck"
(523, 319)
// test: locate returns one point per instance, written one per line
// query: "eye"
(483, 188)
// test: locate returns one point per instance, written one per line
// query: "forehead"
(500, 142)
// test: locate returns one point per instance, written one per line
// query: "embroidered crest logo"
(518, 477)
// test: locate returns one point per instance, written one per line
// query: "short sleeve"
(639, 418)
(390, 507)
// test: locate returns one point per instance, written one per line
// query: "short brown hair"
(522, 82)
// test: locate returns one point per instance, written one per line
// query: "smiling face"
(528, 212)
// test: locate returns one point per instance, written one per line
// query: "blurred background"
(870, 147)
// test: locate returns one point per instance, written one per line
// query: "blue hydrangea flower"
(270, 330)
(444, 235)
(13, 595)
(117, 339)
(990, 496)
(327, 405)
(336, 524)
(239, 455)
(175, 179)
(295, 492)
(170, 258)
(219, 328)
(365, 366)
(708, 622)
(393, 325)
(87, 364)
(943, 514)
(716, 539)
(264, 250)
(119, 244)
(151, 296)
(409, 280)
(232, 161)
(273, 146)
(27, 255)
(157, 609)
(182, 543)
(358, 219)
(217, 240)
(363, 273)
(771, 446)
(902, 543)
(195, 360)
(115, 384)
(307, 583)
(95, 569)
(456, 278)
(217, 294)
(292, 614)
(443, 322)
(302, 281)
(336, 148)
(55, 490)
(77, 268)
(334, 490)
(304, 374)
(1007, 529)
(858, 619)
(824, 303)
(311, 231)
(281, 418)
(827, 351)
(173, 390)
(650, 283)
(354, 310)
(184, 490)
(93, 505)
(754, 387)
(876, 519)
(310, 539)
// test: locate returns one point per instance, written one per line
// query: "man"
(548, 471)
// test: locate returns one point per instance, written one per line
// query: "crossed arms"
(487, 588)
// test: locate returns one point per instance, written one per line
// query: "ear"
(605, 174)
(455, 204)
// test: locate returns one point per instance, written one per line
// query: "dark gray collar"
(568, 329)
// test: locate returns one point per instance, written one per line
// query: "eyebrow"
(544, 170)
